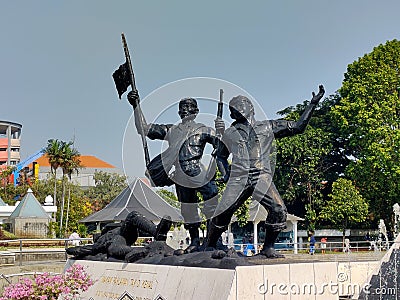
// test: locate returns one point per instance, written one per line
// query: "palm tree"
(69, 163)
(73, 166)
(53, 152)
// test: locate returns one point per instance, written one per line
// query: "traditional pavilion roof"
(29, 207)
(138, 196)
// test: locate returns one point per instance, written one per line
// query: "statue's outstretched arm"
(140, 121)
(301, 124)
(284, 128)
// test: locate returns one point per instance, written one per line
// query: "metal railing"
(21, 247)
(337, 246)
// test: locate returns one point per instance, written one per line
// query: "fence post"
(66, 246)
(20, 252)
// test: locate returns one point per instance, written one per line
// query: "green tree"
(42, 188)
(4, 175)
(301, 163)
(368, 116)
(53, 152)
(80, 205)
(69, 162)
(72, 164)
(346, 206)
(12, 193)
(107, 187)
(169, 197)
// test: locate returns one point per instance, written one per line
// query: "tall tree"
(107, 187)
(346, 206)
(80, 206)
(5, 175)
(368, 115)
(169, 197)
(69, 162)
(53, 152)
(300, 164)
(73, 165)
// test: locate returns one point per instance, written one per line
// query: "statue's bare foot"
(179, 252)
(192, 248)
(271, 253)
(218, 254)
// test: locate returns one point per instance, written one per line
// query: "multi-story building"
(10, 145)
(85, 177)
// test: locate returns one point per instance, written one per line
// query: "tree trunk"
(55, 187)
(62, 204)
(344, 237)
(344, 224)
(69, 198)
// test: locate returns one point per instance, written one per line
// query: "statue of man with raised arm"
(250, 174)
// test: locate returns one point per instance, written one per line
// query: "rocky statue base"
(114, 244)
(159, 253)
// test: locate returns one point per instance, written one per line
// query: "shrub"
(50, 287)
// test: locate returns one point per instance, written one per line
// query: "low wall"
(39, 254)
(13, 273)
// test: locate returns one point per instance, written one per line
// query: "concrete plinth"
(314, 280)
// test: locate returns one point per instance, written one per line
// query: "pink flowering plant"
(50, 287)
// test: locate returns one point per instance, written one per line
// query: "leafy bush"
(50, 287)
(5, 235)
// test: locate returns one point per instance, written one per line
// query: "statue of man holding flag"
(186, 141)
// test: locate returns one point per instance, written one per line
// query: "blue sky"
(57, 57)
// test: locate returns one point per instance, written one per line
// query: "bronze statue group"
(248, 141)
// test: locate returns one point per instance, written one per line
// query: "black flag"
(122, 78)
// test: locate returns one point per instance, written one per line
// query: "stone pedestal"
(314, 280)
(147, 282)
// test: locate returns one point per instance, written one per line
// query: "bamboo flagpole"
(124, 77)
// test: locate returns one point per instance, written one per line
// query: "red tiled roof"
(87, 161)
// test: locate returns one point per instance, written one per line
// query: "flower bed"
(50, 287)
